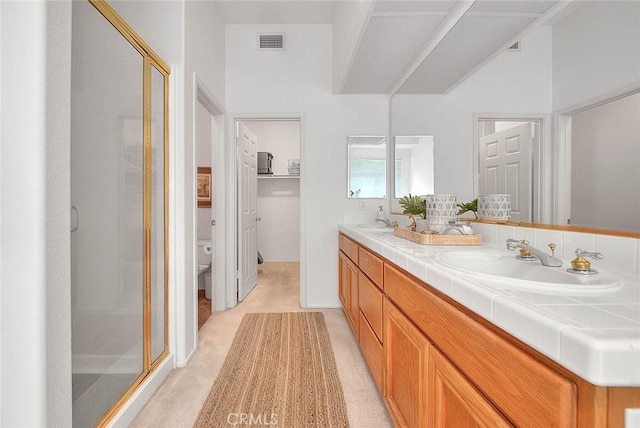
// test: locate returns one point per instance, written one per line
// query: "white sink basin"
(373, 228)
(500, 269)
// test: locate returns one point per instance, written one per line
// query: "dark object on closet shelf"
(264, 163)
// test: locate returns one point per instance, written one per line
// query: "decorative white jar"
(441, 209)
(494, 206)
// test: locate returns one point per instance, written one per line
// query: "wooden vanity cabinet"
(453, 400)
(406, 356)
(348, 290)
(423, 388)
(438, 364)
(526, 391)
(360, 290)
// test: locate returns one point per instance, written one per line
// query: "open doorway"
(209, 205)
(268, 197)
(205, 131)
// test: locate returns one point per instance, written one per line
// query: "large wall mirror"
(602, 174)
(582, 116)
(367, 175)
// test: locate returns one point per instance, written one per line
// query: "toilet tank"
(203, 259)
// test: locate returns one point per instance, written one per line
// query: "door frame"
(203, 96)
(562, 148)
(542, 159)
(232, 201)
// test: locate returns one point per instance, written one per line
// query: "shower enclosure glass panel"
(157, 214)
(107, 191)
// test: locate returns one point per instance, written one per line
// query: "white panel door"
(247, 202)
(506, 167)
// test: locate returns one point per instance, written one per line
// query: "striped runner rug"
(281, 372)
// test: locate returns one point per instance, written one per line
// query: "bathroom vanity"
(449, 349)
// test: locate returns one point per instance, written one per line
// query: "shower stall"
(119, 173)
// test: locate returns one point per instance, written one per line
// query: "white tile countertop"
(595, 336)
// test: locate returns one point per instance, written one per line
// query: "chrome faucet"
(389, 223)
(461, 227)
(545, 259)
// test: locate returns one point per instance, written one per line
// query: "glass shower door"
(118, 192)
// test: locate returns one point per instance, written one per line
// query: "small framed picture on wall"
(204, 186)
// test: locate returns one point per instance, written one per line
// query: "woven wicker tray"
(424, 239)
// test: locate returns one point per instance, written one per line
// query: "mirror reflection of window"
(367, 167)
(413, 165)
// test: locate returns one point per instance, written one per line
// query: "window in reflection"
(367, 167)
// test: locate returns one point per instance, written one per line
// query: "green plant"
(469, 206)
(414, 205)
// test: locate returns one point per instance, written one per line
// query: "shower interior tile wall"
(104, 141)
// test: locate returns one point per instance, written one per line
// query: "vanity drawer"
(524, 389)
(372, 351)
(372, 266)
(349, 247)
(370, 300)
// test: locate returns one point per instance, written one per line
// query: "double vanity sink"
(499, 268)
(589, 324)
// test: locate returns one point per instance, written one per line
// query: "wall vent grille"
(270, 41)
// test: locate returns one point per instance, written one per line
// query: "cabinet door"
(453, 401)
(348, 290)
(370, 302)
(343, 280)
(406, 369)
(354, 308)
(372, 351)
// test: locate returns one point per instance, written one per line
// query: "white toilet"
(204, 250)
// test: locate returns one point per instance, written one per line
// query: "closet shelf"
(277, 176)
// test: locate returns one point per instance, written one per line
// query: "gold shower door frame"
(150, 60)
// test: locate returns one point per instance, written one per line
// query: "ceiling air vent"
(514, 47)
(270, 41)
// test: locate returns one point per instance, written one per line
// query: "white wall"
(595, 51)
(279, 227)
(278, 199)
(298, 80)
(35, 367)
(605, 154)
(204, 42)
(514, 82)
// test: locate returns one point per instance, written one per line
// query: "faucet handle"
(580, 263)
(524, 253)
(593, 255)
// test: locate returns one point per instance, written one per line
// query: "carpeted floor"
(179, 400)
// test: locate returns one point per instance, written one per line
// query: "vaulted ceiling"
(411, 47)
